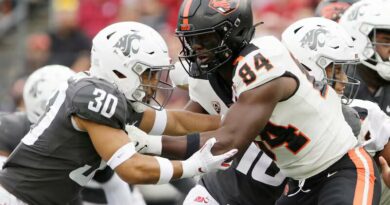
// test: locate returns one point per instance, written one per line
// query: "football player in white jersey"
(83, 127)
(375, 131)
(334, 46)
(274, 100)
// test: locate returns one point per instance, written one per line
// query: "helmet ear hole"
(241, 32)
(119, 74)
(109, 35)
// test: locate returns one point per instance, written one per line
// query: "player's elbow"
(227, 141)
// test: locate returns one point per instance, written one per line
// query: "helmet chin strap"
(382, 67)
(136, 101)
(138, 107)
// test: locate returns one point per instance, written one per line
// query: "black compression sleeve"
(193, 141)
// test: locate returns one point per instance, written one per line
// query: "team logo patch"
(224, 6)
(34, 91)
(216, 106)
(129, 44)
(314, 38)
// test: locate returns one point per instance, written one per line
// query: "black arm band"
(193, 142)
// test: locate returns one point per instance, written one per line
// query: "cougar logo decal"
(129, 44)
(312, 39)
(34, 91)
(224, 6)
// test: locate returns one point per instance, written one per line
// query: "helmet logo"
(224, 6)
(129, 44)
(312, 39)
(34, 88)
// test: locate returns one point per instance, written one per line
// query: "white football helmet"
(122, 52)
(317, 43)
(40, 86)
(363, 20)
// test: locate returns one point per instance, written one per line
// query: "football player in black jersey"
(37, 90)
(82, 129)
(39, 87)
(368, 24)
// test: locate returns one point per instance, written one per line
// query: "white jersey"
(210, 101)
(306, 133)
(253, 177)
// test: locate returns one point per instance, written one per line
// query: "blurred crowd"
(72, 24)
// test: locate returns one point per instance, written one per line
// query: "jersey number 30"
(103, 103)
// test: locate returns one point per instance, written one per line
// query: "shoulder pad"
(98, 101)
(260, 62)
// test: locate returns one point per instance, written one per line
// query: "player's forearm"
(143, 169)
(174, 147)
(183, 122)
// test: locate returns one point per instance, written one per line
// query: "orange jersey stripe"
(186, 12)
(363, 183)
(371, 175)
(238, 59)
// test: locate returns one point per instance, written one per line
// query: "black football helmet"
(333, 9)
(212, 32)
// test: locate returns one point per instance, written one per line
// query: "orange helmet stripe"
(186, 12)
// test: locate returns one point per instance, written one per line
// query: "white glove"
(376, 123)
(144, 143)
(204, 161)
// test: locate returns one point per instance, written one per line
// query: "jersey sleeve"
(101, 102)
(352, 118)
(261, 61)
(13, 127)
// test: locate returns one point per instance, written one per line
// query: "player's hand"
(204, 161)
(385, 171)
(144, 143)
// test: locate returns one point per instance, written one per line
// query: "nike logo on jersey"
(331, 174)
(388, 109)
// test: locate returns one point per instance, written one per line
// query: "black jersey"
(13, 126)
(55, 159)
